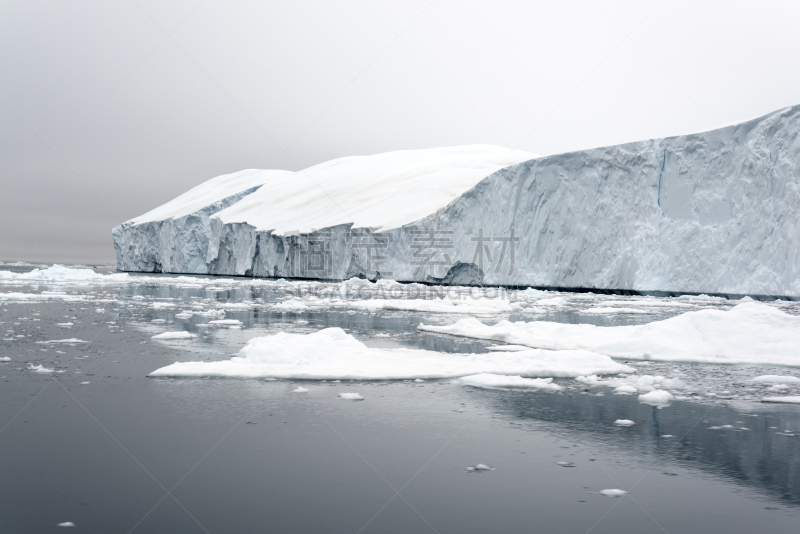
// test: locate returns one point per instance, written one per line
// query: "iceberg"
(751, 332)
(712, 212)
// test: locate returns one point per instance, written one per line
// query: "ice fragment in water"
(612, 492)
(351, 396)
(624, 422)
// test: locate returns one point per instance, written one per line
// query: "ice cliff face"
(715, 212)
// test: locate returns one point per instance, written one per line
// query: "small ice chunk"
(624, 422)
(658, 397)
(40, 369)
(625, 390)
(226, 322)
(84, 383)
(721, 427)
(667, 436)
(300, 389)
(351, 396)
(174, 335)
(184, 315)
(66, 524)
(480, 467)
(5, 359)
(566, 464)
(612, 492)
(418, 380)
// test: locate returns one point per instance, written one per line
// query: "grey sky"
(144, 100)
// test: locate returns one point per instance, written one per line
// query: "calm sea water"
(128, 453)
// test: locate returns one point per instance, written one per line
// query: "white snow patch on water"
(624, 422)
(751, 332)
(40, 369)
(331, 353)
(489, 380)
(300, 389)
(70, 340)
(5, 359)
(351, 396)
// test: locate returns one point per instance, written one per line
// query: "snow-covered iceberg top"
(331, 354)
(750, 332)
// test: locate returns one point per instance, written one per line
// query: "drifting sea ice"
(658, 397)
(174, 335)
(479, 468)
(777, 379)
(782, 400)
(751, 332)
(624, 422)
(613, 492)
(351, 396)
(331, 353)
(489, 380)
(40, 369)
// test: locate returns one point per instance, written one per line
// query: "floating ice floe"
(634, 383)
(66, 524)
(659, 398)
(40, 369)
(777, 379)
(751, 332)
(291, 305)
(331, 353)
(466, 305)
(5, 359)
(174, 335)
(351, 396)
(60, 273)
(479, 467)
(783, 400)
(226, 322)
(70, 340)
(300, 389)
(490, 380)
(624, 422)
(613, 492)
(610, 311)
(565, 464)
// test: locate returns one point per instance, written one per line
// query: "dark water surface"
(127, 453)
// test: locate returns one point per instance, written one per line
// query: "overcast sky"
(109, 109)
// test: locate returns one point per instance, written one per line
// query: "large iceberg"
(713, 212)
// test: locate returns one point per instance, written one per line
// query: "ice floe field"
(309, 405)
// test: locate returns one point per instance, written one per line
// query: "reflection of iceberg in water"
(761, 457)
